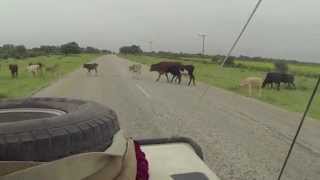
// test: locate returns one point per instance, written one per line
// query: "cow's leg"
(194, 80)
(191, 78)
(278, 86)
(173, 77)
(259, 89)
(159, 77)
(167, 77)
(293, 85)
(176, 79)
(96, 70)
(250, 89)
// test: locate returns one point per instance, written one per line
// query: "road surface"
(242, 138)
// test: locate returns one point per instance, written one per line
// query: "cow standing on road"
(190, 70)
(166, 67)
(91, 67)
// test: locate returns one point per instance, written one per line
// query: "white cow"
(252, 82)
(34, 69)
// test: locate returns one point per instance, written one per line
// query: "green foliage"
(229, 62)
(70, 48)
(216, 59)
(281, 66)
(9, 50)
(133, 49)
(21, 52)
(93, 50)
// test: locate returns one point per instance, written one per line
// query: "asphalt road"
(242, 138)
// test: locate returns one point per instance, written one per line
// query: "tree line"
(20, 51)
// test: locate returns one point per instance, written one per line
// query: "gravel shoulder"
(242, 138)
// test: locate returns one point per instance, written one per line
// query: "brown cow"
(166, 67)
(14, 70)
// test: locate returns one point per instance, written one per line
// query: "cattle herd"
(177, 70)
(271, 79)
(34, 68)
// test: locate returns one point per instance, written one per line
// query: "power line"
(299, 127)
(242, 31)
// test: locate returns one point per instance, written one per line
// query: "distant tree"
(105, 51)
(8, 46)
(70, 48)
(49, 49)
(281, 66)
(90, 49)
(9, 50)
(20, 50)
(134, 49)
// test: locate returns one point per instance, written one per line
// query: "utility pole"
(150, 46)
(203, 36)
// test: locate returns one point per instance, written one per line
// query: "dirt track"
(241, 137)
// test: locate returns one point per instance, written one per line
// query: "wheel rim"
(22, 114)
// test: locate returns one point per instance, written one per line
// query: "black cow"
(91, 67)
(14, 70)
(190, 69)
(278, 78)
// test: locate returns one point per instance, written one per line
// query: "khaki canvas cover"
(118, 162)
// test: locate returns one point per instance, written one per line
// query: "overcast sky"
(286, 29)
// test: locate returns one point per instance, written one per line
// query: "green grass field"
(26, 84)
(229, 78)
(298, 69)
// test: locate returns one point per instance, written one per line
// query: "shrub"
(215, 59)
(229, 62)
(281, 66)
(134, 49)
(70, 48)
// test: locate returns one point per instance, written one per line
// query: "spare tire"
(46, 129)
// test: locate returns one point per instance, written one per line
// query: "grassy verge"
(229, 78)
(298, 69)
(25, 84)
